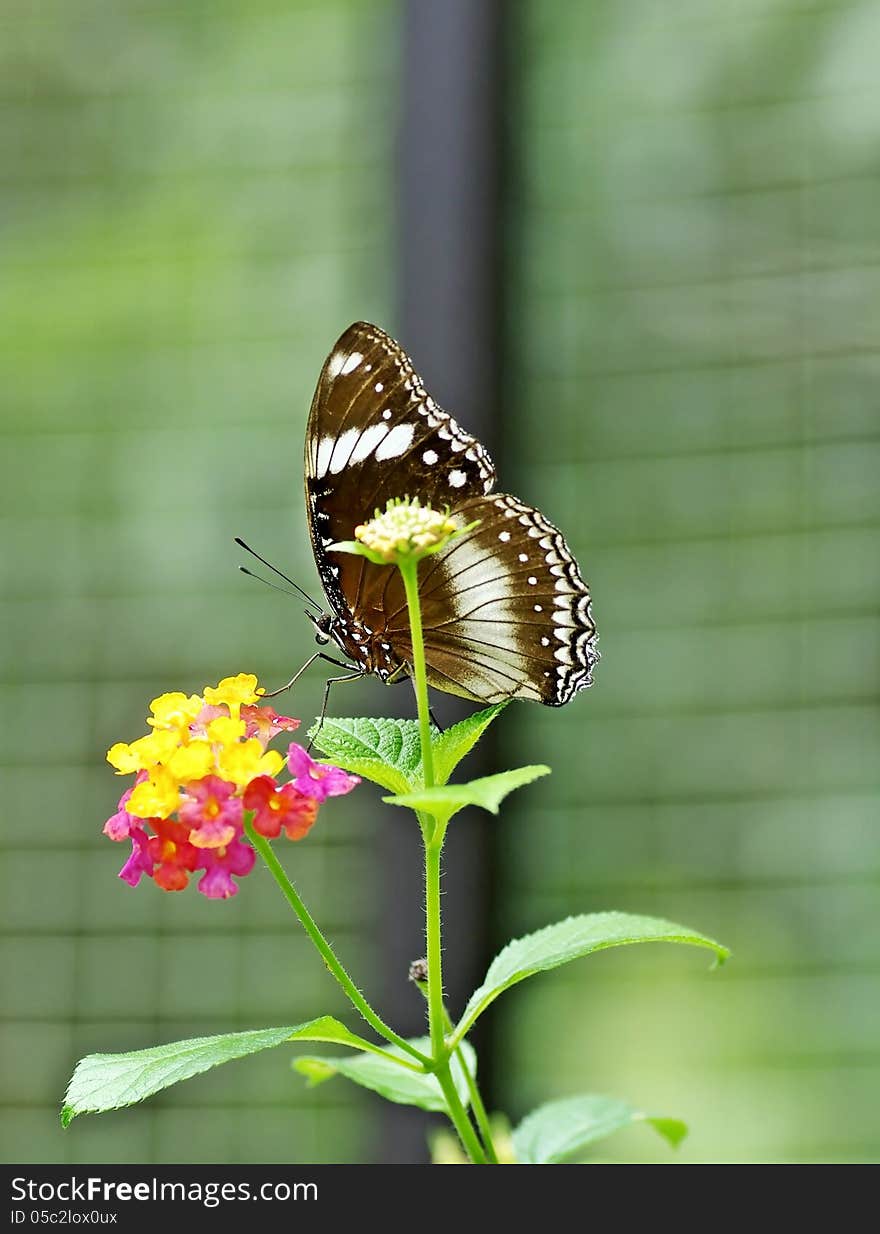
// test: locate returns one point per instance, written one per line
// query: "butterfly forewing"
(375, 433)
(505, 610)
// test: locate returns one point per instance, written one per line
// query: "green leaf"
(102, 1082)
(451, 746)
(387, 1079)
(564, 1128)
(388, 752)
(569, 940)
(488, 793)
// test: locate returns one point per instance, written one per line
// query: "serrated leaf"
(102, 1082)
(443, 802)
(561, 1129)
(451, 746)
(569, 940)
(386, 751)
(405, 1087)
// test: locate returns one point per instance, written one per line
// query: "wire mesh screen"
(693, 274)
(194, 204)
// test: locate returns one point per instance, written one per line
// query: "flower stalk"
(328, 955)
(434, 834)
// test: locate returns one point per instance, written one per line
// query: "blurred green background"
(194, 201)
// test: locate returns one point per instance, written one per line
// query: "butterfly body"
(366, 649)
(505, 611)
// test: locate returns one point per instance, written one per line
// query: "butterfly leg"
(406, 667)
(318, 655)
(331, 681)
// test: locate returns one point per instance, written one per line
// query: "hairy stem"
(458, 1115)
(436, 1009)
(354, 995)
(409, 571)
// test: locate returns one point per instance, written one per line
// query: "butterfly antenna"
(267, 582)
(247, 548)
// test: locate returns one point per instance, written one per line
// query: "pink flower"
(265, 722)
(318, 780)
(140, 862)
(199, 726)
(220, 864)
(280, 807)
(211, 811)
(121, 824)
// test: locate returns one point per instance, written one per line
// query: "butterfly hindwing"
(505, 610)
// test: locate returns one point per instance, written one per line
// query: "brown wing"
(375, 433)
(505, 609)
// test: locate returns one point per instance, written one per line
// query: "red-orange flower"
(280, 807)
(171, 850)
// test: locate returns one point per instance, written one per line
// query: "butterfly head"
(323, 623)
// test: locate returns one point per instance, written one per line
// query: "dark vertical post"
(448, 171)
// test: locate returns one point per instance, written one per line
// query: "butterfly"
(505, 610)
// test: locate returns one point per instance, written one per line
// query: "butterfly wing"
(505, 610)
(506, 613)
(375, 433)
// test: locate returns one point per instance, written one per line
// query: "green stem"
(436, 1009)
(409, 572)
(433, 837)
(476, 1098)
(289, 892)
(478, 1108)
(459, 1117)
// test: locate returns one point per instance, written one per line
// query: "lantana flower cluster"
(203, 765)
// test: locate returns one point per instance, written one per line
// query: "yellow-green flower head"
(405, 529)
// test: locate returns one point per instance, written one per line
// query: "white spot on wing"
(351, 362)
(386, 414)
(322, 459)
(397, 441)
(378, 387)
(340, 448)
(457, 478)
(504, 536)
(430, 457)
(532, 580)
(523, 556)
(368, 442)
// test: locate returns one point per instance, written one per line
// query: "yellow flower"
(233, 691)
(244, 760)
(156, 797)
(175, 711)
(146, 752)
(191, 762)
(225, 731)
